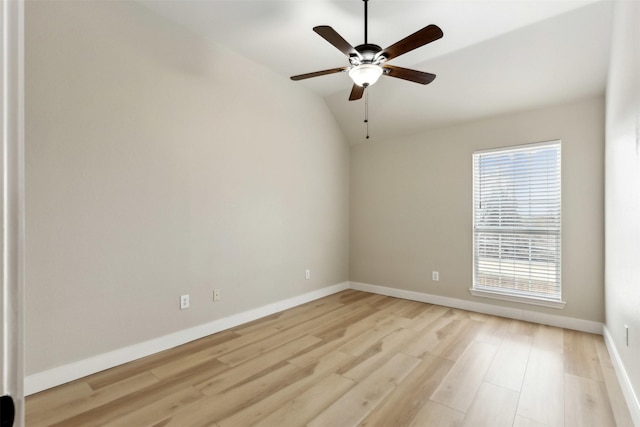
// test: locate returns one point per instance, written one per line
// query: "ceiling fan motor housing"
(368, 54)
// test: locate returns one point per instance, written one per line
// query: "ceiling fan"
(369, 61)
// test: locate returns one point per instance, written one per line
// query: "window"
(516, 224)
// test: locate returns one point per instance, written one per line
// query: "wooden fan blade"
(356, 92)
(318, 73)
(332, 36)
(408, 74)
(419, 38)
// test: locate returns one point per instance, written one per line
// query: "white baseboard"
(63, 374)
(496, 310)
(633, 403)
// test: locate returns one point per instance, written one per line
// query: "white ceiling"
(495, 57)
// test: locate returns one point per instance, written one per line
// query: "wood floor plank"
(386, 303)
(509, 365)
(358, 402)
(338, 325)
(133, 400)
(77, 405)
(113, 375)
(58, 396)
(305, 407)
(358, 299)
(218, 406)
(411, 395)
(189, 361)
(525, 422)
(448, 337)
(542, 395)
(158, 410)
(429, 315)
(430, 335)
(548, 338)
(386, 309)
(460, 386)
(436, 414)
(288, 318)
(521, 327)
(408, 309)
(413, 310)
(330, 344)
(455, 338)
(323, 367)
(586, 404)
(255, 398)
(377, 355)
(237, 374)
(491, 329)
(259, 347)
(581, 356)
(363, 342)
(197, 373)
(353, 298)
(493, 406)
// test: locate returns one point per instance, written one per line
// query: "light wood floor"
(355, 359)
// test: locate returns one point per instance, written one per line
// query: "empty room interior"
(223, 229)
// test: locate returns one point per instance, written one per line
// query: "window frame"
(505, 294)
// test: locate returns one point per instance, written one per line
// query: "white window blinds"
(516, 206)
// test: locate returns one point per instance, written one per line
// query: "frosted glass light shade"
(365, 74)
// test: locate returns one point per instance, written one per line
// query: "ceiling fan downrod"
(365, 20)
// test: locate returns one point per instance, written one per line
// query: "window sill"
(515, 298)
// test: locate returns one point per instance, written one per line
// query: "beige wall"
(159, 165)
(622, 180)
(411, 205)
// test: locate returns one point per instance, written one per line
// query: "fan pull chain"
(366, 110)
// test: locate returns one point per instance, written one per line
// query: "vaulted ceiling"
(496, 56)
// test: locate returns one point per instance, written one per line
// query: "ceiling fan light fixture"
(365, 75)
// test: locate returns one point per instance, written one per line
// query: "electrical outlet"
(626, 334)
(435, 276)
(307, 274)
(184, 301)
(216, 295)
